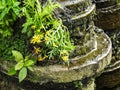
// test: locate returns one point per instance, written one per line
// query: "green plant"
(49, 37)
(12, 43)
(43, 35)
(23, 64)
(9, 12)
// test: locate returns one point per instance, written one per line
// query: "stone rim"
(55, 73)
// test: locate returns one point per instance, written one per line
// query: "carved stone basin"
(88, 65)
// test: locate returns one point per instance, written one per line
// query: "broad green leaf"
(30, 68)
(19, 65)
(18, 56)
(12, 71)
(22, 74)
(28, 63)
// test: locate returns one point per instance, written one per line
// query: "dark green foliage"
(9, 12)
(40, 35)
(10, 43)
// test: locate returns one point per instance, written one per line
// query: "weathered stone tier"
(93, 64)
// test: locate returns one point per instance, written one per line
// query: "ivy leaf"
(28, 63)
(12, 71)
(19, 65)
(22, 74)
(18, 56)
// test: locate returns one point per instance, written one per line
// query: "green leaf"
(18, 56)
(19, 65)
(16, 11)
(22, 74)
(16, 4)
(12, 71)
(26, 58)
(28, 63)
(30, 68)
(4, 12)
(38, 6)
(1, 7)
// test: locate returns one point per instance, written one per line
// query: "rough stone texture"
(108, 18)
(74, 6)
(9, 83)
(110, 77)
(77, 15)
(92, 65)
(105, 3)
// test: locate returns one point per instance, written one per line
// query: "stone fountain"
(92, 53)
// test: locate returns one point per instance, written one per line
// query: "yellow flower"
(64, 52)
(33, 27)
(36, 39)
(54, 45)
(47, 39)
(37, 50)
(40, 58)
(64, 58)
(43, 26)
(38, 30)
(48, 32)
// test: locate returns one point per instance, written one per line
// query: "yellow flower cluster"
(64, 58)
(33, 27)
(47, 38)
(64, 52)
(37, 39)
(36, 50)
(41, 58)
(64, 55)
(54, 45)
(48, 32)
